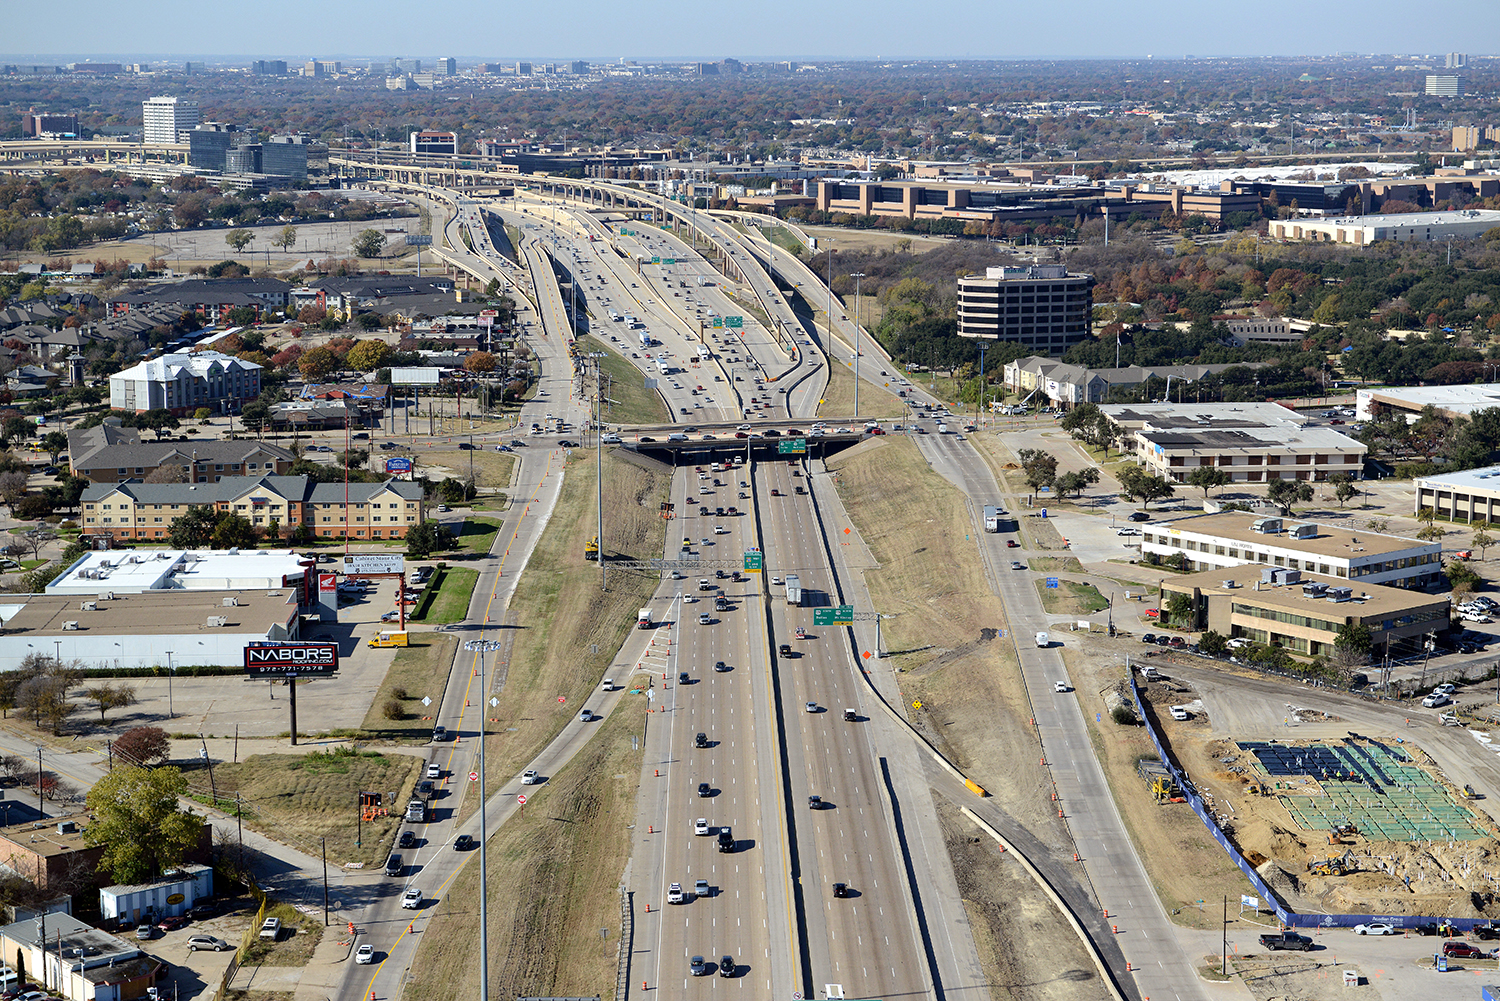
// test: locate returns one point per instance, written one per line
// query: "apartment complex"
(182, 383)
(1252, 442)
(146, 511)
(1234, 538)
(1067, 385)
(1467, 496)
(1409, 227)
(206, 461)
(166, 119)
(1302, 613)
(1042, 306)
(211, 298)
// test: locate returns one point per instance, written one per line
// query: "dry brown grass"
(554, 879)
(492, 470)
(838, 397)
(421, 670)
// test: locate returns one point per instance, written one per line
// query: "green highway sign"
(718, 322)
(734, 322)
(842, 615)
(791, 446)
(656, 260)
(669, 260)
(754, 561)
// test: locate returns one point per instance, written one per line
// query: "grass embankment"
(785, 239)
(417, 672)
(492, 470)
(300, 935)
(447, 597)
(838, 398)
(297, 799)
(1071, 597)
(630, 402)
(476, 536)
(1186, 865)
(569, 847)
(950, 639)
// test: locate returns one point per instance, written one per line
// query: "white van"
(1043, 640)
(677, 436)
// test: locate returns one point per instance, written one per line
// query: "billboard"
(357, 563)
(415, 376)
(292, 658)
(398, 464)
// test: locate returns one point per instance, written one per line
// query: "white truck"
(993, 517)
(645, 339)
(703, 352)
(793, 589)
(1043, 640)
(643, 619)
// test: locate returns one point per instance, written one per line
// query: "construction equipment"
(1332, 866)
(1339, 832)
(1159, 780)
(1469, 792)
(591, 549)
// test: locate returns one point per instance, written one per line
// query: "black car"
(683, 679)
(1139, 516)
(840, 890)
(726, 839)
(466, 446)
(1149, 638)
(1163, 640)
(408, 840)
(815, 802)
(720, 667)
(644, 439)
(705, 790)
(701, 740)
(568, 444)
(463, 843)
(726, 966)
(772, 433)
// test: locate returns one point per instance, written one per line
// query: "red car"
(1012, 544)
(1462, 950)
(172, 923)
(1152, 613)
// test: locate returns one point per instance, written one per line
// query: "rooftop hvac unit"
(1313, 589)
(230, 602)
(1339, 593)
(1268, 575)
(217, 621)
(89, 606)
(1291, 576)
(70, 626)
(106, 596)
(1230, 585)
(1306, 530)
(67, 827)
(1266, 526)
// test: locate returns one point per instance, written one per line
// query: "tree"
(238, 239)
(423, 540)
(143, 746)
(1090, 425)
(317, 364)
(1177, 610)
(367, 356)
(1207, 478)
(1482, 539)
(1137, 481)
(369, 243)
(167, 473)
(1460, 574)
(1040, 468)
(44, 693)
(138, 823)
(1213, 643)
(1343, 487)
(193, 530)
(480, 363)
(255, 415)
(108, 696)
(1431, 533)
(233, 531)
(1076, 483)
(55, 443)
(12, 488)
(1285, 493)
(286, 239)
(1354, 636)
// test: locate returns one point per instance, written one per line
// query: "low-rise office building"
(1453, 402)
(1233, 538)
(77, 960)
(1067, 385)
(1251, 442)
(131, 572)
(1042, 306)
(1468, 496)
(145, 511)
(1410, 227)
(1302, 613)
(106, 454)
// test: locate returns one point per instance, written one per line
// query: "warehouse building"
(1233, 538)
(1302, 613)
(1410, 227)
(131, 572)
(1452, 402)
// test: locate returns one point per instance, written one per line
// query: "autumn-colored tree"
(317, 364)
(143, 745)
(367, 356)
(480, 362)
(288, 356)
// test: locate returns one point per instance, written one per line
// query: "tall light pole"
(856, 276)
(171, 714)
(481, 646)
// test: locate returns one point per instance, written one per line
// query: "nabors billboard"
(292, 658)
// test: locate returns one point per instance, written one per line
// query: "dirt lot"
(974, 703)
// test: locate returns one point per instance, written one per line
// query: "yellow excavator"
(591, 549)
(1331, 867)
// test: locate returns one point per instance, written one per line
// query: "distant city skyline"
(653, 30)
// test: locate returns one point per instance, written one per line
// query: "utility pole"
(856, 276)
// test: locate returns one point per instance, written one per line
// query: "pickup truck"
(1286, 940)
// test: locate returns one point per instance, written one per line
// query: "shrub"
(394, 710)
(399, 692)
(1123, 715)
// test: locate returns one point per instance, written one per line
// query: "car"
(700, 827)
(700, 888)
(698, 966)
(1148, 638)
(203, 909)
(585, 716)
(704, 619)
(720, 667)
(1377, 928)
(815, 802)
(1434, 700)
(726, 966)
(269, 928)
(439, 734)
(812, 707)
(705, 790)
(1129, 531)
(840, 889)
(411, 899)
(644, 439)
(1179, 712)
(434, 771)
(701, 740)
(408, 840)
(726, 840)
(364, 955)
(1140, 516)
(530, 778)
(1017, 565)
(1454, 949)
(674, 893)
(1060, 686)
(1012, 544)
(775, 581)
(1177, 641)
(172, 922)
(391, 616)
(1446, 689)
(1163, 640)
(463, 843)
(720, 530)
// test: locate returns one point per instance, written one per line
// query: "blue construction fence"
(1283, 913)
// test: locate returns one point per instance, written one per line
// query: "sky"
(648, 30)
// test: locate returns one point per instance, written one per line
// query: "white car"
(530, 778)
(1377, 928)
(775, 581)
(674, 893)
(1179, 712)
(744, 427)
(1447, 689)
(365, 955)
(1060, 686)
(1434, 700)
(812, 707)
(700, 828)
(720, 530)
(411, 899)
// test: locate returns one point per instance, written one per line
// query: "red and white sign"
(562, 698)
(328, 583)
(473, 776)
(521, 799)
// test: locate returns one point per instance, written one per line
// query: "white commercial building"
(1448, 401)
(184, 382)
(1468, 496)
(1232, 539)
(1404, 226)
(131, 572)
(149, 629)
(165, 119)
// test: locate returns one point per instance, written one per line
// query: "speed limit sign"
(473, 776)
(521, 799)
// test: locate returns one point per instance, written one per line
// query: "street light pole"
(171, 714)
(856, 276)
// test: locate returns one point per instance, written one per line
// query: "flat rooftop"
(43, 837)
(1406, 220)
(1256, 438)
(1202, 416)
(147, 569)
(148, 613)
(1368, 600)
(1330, 541)
(1483, 478)
(1453, 399)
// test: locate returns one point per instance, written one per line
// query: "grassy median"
(629, 401)
(418, 671)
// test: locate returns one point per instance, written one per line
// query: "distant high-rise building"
(578, 67)
(1456, 61)
(43, 123)
(269, 67)
(984, 309)
(164, 119)
(1439, 85)
(523, 69)
(243, 159)
(322, 67)
(706, 69)
(285, 156)
(447, 66)
(209, 143)
(191, 68)
(406, 65)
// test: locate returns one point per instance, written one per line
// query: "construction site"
(1351, 824)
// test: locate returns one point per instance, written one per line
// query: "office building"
(1042, 306)
(1444, 85)
(186, 570)
(1452, 402)
(1455, 61)
(243, 159)
(285, 156)
(435, 143)
(523, 69)
(447, 66)
(268, 67)
(406, 65)
(578, 67)
(1410, 227)
(166, 119)
(146, 510)
(109, 453)
(1038, 378)
(1466, 496)
(1235, 538)
(322, 67)
(1251, 442)
(1302, 613)
(210, 142)
(183, 383)
(45, 125)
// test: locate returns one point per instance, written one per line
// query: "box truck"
(793, 590)
(643, 619)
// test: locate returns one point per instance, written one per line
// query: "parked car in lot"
(172, 923)
(207, 942)
(270, 928)
(1454, 949)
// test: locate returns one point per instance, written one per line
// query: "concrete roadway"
(1114, 870)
